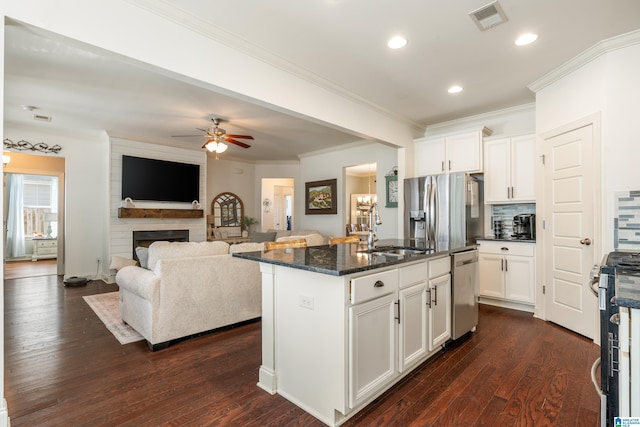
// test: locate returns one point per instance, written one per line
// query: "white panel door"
(568, 213)
(497, 170)
(464, 152)
(440, 312)
(430, 156)
(414, 324)
(523, 155)
(372, 347)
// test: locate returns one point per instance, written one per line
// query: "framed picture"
(392, 191)
(321, 197)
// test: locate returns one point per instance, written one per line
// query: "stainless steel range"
(619, 303)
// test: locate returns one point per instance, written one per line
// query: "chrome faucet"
(374, 221)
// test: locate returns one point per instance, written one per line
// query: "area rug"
(106, 308)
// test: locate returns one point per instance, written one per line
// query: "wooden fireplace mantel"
(159, 213)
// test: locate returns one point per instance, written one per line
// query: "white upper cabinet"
(509, 168)
(451, 153)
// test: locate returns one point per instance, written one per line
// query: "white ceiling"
(341, 42)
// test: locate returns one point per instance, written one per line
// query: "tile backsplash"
(507, 212)
(626, 224)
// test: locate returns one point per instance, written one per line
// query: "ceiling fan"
(216, 138)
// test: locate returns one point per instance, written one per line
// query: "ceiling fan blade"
(240, 136)
(238, 143)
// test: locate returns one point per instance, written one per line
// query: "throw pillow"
(118, 262)
(143, 256)
(259, 237)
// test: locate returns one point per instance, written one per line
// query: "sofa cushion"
(143, 256)
(166, 250)
(258, 237)
(118, 262)
(246, 247)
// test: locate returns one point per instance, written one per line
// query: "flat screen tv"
(159, 180)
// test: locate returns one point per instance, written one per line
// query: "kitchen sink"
(394, 251)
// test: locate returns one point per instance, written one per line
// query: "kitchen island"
(341, 324)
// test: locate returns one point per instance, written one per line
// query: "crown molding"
(470, 121)
(589, 55)
(187, 20)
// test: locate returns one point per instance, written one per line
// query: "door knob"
(585, 241)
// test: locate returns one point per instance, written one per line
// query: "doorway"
(277, 204)
(360, 194)
(570, 210)
(33, 232)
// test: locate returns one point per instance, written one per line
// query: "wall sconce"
(266, 203)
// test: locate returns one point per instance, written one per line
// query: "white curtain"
(54, 204)
(15, 246)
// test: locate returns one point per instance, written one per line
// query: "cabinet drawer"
(440, 266)
(46, 244)
(47, 251)
(413, 274)
(373, 286)
(506, 248)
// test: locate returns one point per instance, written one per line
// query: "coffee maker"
(524, 226)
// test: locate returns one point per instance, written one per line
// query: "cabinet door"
(523, 157)
(519, 278)
(372, 347)
(430, 154)
(497, 170)
(413, 334)
(464, 152)
(491, 275)
(440, 312)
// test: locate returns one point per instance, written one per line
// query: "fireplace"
(146, 238)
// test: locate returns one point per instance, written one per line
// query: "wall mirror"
(227, 210)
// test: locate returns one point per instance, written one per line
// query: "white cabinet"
(439, 311)
(372, 347)
(507, 271)
(425, 309)
(509, 168)
(451, 153)
(44, 248)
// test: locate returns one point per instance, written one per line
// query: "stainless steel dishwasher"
(464, 292)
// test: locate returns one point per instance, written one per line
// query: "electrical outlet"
(98, 259)
(305, 301)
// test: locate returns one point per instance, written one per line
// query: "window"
(39, 198)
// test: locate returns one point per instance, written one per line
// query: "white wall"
(607, 86)
(237, 177)
(329, 165)
(86, 192)
(121, 229)
(156, 34)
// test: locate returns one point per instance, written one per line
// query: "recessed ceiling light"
(397, 42)
(526, 39)
(455, 89)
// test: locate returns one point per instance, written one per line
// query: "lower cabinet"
(392, 333)
(507, 271)
(372, 347)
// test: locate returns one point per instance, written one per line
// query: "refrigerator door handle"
(434, 213)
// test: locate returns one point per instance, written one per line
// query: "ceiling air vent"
(488, 16)
(41, 117)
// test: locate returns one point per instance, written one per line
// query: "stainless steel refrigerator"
(443, 212)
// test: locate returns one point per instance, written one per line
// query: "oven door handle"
(595, 279)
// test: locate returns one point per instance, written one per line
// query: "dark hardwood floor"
(62, 367)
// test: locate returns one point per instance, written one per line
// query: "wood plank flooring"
(28, 268)
(62, 367)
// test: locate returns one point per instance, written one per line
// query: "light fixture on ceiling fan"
(217, 138)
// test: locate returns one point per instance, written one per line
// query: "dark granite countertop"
(507, 239)
(342, 259)
(628, 288)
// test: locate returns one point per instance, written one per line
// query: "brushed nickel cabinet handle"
(378, 284)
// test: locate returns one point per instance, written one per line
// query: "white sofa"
(189, 288)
